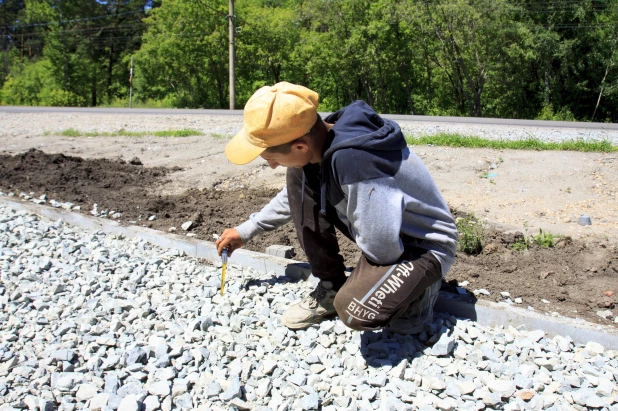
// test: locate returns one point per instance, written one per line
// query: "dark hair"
(287, 147)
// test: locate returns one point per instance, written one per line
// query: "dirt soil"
(577, 278)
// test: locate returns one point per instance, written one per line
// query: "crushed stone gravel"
(90, 321)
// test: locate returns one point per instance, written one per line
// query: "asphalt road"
(396, 117)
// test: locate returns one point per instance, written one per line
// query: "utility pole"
(232, 58)
(131, 84)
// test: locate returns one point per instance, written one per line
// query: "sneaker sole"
(309, 323)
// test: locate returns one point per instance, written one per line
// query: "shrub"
(471, 234)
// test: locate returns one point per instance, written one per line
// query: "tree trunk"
(404, 73)
(609, 65)
(429, 75)
(546, 82)
(110, 70)
(65, 60)
(94, 86)
(367, 89)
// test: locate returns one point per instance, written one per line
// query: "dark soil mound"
(74, 179)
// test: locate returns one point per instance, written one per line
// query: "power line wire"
(19, 26)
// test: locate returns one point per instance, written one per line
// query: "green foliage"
(186, 132)
(494, 58)
(220, 136)
(184, 55)
(542, 239)
(471, 235)
(34, 85)
(522, 243)
(167, 102)
(547, 113)
(81, 44)
(71, 132)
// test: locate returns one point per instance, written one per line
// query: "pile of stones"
(91, 321)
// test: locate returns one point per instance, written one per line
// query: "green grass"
(70, 132)
(187, 132)
(457, 140)
(543, 239)
(137, 103)
(522, 243)
(471, 234)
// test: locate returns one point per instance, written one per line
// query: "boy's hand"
(230, 239)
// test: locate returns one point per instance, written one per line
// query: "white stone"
(152, 403)
(129, 403)
(85, 392)
(503, 388)
(99, 401)
(596, 402)
(465, 387)
(160, 388)
(605, 387)
(446, 404)
(535, 335)
(594, 348)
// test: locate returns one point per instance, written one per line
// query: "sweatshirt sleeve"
(275, 214)
(375, 212)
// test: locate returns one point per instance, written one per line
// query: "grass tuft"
(457, 140)
(545, 239)
(522, 243)
(187, 132)
(471, 234)
(542, 239)
(69, 132)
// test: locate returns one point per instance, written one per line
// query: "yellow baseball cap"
(274, 115)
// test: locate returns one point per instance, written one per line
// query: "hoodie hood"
(359, 126)
(365, 138)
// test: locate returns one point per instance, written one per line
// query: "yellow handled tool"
(223, 269)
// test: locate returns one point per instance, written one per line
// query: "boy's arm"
(375, 210)
(275, 214)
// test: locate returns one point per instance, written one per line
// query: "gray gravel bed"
(90, 321)
(14, 124)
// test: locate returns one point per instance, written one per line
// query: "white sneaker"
(312, 309)
(419, 314)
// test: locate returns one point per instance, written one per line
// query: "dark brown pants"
(372, 295)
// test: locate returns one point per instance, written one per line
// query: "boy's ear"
(301, 146)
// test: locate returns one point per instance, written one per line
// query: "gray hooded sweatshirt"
(380, 189)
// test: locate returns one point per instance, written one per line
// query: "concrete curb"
(195, 248)
(484, 312)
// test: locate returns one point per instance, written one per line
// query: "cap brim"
(240, 151)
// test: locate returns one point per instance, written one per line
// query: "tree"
(183, 55)
(267, 36)
(10, 11)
